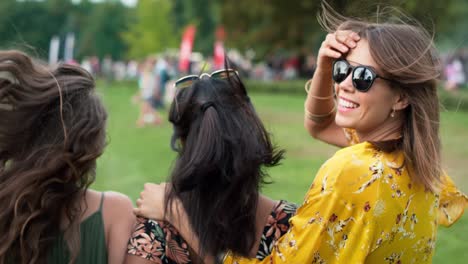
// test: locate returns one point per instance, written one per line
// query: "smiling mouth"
(347, 104)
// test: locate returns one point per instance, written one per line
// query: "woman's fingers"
(148, 186)
(136, 211)
(332, 42)
(347, 37)
(331, 53)
(338, 43)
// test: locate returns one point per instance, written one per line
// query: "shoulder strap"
(102, 201)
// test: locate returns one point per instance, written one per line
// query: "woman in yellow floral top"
(380, 199)
(363, 208)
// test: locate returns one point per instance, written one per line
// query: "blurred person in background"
(161, 72)
(454, 74)
(148, 93)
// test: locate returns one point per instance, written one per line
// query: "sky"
(126, 2)
(129, 2)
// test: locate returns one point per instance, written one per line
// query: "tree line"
(110, 28)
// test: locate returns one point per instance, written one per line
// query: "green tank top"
(93, 247)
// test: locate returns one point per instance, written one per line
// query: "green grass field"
(138, 155)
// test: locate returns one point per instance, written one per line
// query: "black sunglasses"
(188, 80)
(362, 76)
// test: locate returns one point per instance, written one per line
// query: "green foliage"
(295, 87)
(454, 101)
(452, 31)
(17, 25)
(204, 14)
(152, 30)
(101, 30)
(107, 27)
(30, 24)
(292, 25)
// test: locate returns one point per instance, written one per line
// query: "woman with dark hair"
(381, 198)
(52, 130)
(223, 149)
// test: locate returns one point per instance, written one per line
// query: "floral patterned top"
(363, 208)
(159, 242)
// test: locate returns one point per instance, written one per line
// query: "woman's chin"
(343, 122)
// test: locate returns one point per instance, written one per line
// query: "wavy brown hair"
(405, 53)
(52, 130)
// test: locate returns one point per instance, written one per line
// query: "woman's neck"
(389, 130)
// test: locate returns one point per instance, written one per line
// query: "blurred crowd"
(274, 67)
(164, 69)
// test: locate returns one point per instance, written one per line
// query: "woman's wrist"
(307, 89)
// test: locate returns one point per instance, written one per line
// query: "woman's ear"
(401, 102)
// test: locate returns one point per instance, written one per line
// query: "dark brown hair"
(221, 162)
(52, 130)
(405, 53)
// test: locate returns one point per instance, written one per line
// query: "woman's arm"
(118, 214)
(151, 205)
(452, 202)
(320, 105)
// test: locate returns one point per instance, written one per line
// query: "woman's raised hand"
(151, 202)
(334, 46)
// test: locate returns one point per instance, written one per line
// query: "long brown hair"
(405, 53)
(221, 164)
(52, 130)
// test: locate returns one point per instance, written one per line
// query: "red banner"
(218, 59)
(186, 48)
(218, 56)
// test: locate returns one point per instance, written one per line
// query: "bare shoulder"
(117, 205)
(119, 221)
(117, 199)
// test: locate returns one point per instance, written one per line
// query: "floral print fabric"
(277, 225)
(161, 243)
(158, 242)
(363, 208)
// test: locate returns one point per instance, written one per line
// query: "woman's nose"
(347, 84)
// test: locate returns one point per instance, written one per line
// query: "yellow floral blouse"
(363, 208)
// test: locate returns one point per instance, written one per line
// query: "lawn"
(138, 155)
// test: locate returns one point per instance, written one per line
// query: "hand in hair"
(151, 202)
(334, 46)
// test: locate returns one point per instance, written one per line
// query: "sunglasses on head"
(188, 80)
(362, 76)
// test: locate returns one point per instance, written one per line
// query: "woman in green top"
(52, 130)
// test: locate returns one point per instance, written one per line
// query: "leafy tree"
(204, 14)
(274, 25)
(452, 33)
(152, 30)
(100, 32)
(29, 25)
